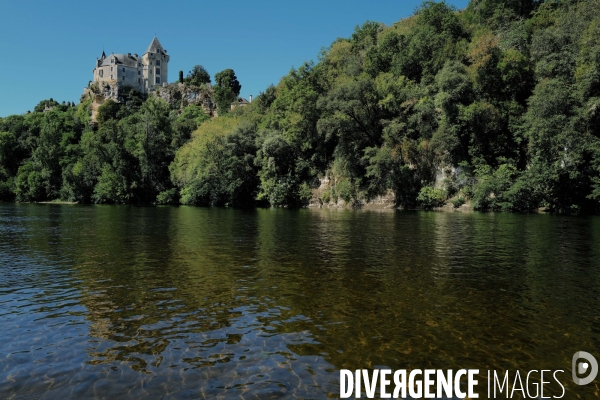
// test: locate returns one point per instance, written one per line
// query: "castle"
(115, 73)
(141, 73)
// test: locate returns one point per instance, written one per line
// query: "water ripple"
(182, 302)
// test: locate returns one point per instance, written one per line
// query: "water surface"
(183, 302)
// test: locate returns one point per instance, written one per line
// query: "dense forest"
(497, 104)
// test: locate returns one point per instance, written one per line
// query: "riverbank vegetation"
(498, 104)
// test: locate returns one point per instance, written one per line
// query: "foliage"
(226, 90)
(458, 201)
(197, 76)
(430, 197)
(170, 196)
(227, 79)
(42, 105)
(498, 104)
(187, 122)
(217, 166)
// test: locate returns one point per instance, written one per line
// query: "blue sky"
(49, 48)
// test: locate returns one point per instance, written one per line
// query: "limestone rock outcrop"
(182, 95)
(178, 95)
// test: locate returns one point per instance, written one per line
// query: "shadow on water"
(184, 302)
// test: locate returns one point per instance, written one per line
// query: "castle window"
(111, 69)
(139, 80)
(101, 73)
(139, 72)
(157, 71)
(112, 60)
(123, 69)
(150, 62)
(111, 77)
(157, 62)
(157, 80)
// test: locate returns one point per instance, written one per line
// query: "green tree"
(187, 122)
(503, 98)
(227, 79)
(197, 76)
(226, 90)
(217, 166)
(42, 105)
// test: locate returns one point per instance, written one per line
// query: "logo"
(590, 364)
(429, 383)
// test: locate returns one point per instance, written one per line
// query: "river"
(184, 302)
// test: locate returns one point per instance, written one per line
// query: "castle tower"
(155, 63)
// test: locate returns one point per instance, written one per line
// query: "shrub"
(345, 190)
(459, 201)
(430, 197)
(326, 196)
(304, 193)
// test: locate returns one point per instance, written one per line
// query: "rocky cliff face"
(99, 92)
(181, 95)
(178, 95)
(325, 196)
(380, 202)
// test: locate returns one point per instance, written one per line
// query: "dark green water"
(122, 302)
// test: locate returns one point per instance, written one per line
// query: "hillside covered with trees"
(498, 104)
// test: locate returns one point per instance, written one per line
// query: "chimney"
(250, 99)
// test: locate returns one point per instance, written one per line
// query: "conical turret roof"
(155, 45)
